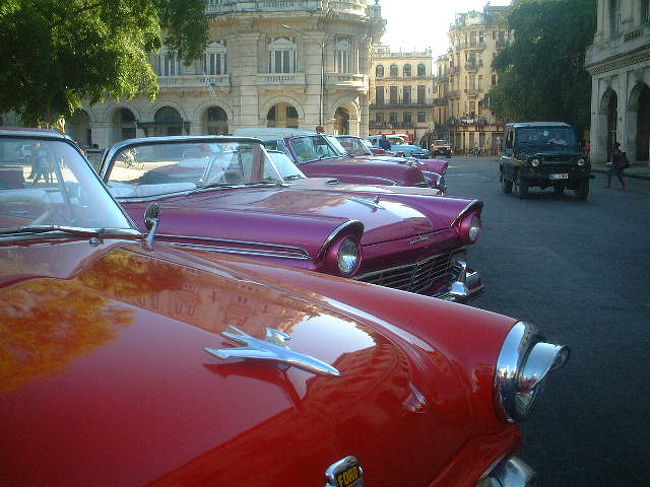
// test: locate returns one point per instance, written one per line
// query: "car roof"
(266, 133)
(33, 132)
(537, 124)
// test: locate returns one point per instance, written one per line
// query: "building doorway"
(215, 121)
(282, 115)
(643, 125)
(341, 121)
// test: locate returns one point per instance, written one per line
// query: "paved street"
(580, 270)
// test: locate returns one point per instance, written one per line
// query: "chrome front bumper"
(511, 472)
(466, 284)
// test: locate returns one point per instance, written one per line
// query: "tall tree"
(56, 53)
(542, 74)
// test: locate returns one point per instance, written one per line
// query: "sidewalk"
(639, 170)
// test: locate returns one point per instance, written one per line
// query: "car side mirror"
(151, 221)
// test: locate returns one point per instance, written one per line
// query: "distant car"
(434, 169)
(126, 362)
(546, 155)
(441, 147)
(411, 150)
(224, 194)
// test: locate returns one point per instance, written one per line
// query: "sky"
(413, 25)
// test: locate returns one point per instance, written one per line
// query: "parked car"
(126, 362)
(433, 169)
(319, 155)
(546, 155)
(411, 150)
(225, 194)
(441, 147)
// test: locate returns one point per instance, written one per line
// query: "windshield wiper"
(70, 230)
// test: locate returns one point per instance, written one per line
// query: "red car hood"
(105, 381)
(298, 216)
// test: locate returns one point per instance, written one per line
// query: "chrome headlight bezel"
(522, 368)
(535, 162)
(581, 161)
(348, 256)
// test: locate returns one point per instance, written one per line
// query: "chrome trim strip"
(216, 245)
(512, 472)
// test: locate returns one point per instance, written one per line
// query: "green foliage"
(56, 53)
(541, 74)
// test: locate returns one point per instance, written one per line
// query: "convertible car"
(433, 169)
(322, 155)
(127, 362)
(225, 194)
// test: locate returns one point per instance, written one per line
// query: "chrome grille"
(415, 277)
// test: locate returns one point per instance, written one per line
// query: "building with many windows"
(401, 93)
(464, 76)
(619, 64)
(300, 63)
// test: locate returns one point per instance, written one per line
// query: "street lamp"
(321, 93)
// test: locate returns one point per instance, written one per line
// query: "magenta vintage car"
(225, 194)
(433, 169)
(126, 362)
(321, 155)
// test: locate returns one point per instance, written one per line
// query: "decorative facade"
(401, 93)
(619, 64)
(461, 109)
(300, 63)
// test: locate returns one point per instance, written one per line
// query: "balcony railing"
(347, 80)
(401, 104)
(217, 7)
(391, 125)
(195, 81)
(281, 79)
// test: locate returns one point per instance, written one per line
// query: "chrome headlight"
(581, 161)
(348, 256)
(535, 162)
(469, 228)
(523, 365)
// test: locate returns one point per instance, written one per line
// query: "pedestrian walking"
(384, 143)
(40, 167)
(617, 165)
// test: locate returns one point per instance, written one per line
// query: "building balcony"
(391, 125)
(347, 81)
(473, 93)
(401, 105)
(281, 79)
(473, 67)
(453, 94)
(219, 7)
(440, 102)
(221, 81)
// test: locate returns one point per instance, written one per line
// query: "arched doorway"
(643, 124)
(124, 124)
(215, 121)
(79, 128)
(282, 115)
(341, 121)
(168, 122)
(609, 107)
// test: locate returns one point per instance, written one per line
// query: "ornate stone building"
(401, 93)
(464, 76)
(619, 63)
(300, 63)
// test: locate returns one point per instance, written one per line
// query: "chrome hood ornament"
(273, 348)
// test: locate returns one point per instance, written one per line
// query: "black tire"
(582, 191)
(521, 187)
(506, 184)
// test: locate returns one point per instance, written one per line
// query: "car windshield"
(553, 138)
(288, 170)
(315, 147)
(46, 183)
(150, 169)
(354, 146)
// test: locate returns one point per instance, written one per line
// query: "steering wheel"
(44, 210)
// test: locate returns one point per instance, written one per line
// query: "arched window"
(282, 55)
(422, 70)
(342, 56)
(214, 61)
(393, 71)
(406, 71)
(379, 71)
